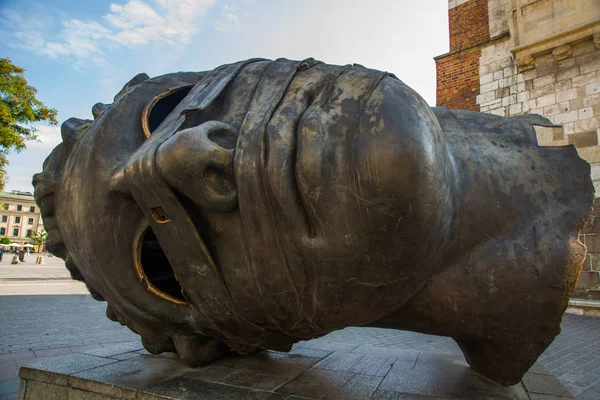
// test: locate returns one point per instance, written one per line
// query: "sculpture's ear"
(198, 162)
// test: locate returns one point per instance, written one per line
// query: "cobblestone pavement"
(37, 323)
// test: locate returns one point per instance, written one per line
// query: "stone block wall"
(563, 86)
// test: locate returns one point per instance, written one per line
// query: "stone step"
(589, 307)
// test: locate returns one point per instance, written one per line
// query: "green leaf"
(19, 109)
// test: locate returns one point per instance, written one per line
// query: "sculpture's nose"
(43, 187)
(37, 178)
(198, 162)
(40, 185)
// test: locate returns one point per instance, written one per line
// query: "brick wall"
(469, 24)
(458, 71)
(458, 79)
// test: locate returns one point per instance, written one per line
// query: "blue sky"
(77, 53)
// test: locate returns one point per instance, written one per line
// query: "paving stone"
(114, 379)
(297, 398)
(30, 321)
(183, 388)
(53, 352)
(357, 363)
(269, 363)
(24, 363)
(539, 368)
(84, 348)
(334, 385)
(537, 396)
(213, 373)
(402, 354)
(545, 384)
(125, 356)
(57, 369)
(310, 352)
(8, 364)
(584, 382)
(571, 378)
(446, 377)
(22, 355)
(256, 381)
(118, 348)
(388, 395)
(592, 393)
(328, 345)
(8, 374)
(39, 322)
(11, 386)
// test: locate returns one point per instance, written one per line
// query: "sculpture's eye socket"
(161, 106)
(153, 268)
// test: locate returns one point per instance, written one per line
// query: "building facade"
(512, 57)
(19, 216)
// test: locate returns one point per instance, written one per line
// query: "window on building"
(17, 220)
(32, 209)
(29, 232)
(30, 221)
(15, 231)
(19, 207)
(5, 218)
(3, 231)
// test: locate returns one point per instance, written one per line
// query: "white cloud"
(131, 24)
(228, 20)
(48, 138)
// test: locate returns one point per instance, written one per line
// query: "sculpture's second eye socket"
(153, 267)
(161, 106)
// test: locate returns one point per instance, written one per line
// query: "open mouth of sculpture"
(153, 268)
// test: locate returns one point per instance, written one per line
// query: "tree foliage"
(5, 240)
(39, 238)
(19, 108)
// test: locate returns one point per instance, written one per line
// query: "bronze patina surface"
(267, 202)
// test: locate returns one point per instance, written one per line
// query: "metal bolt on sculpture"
(267, 202)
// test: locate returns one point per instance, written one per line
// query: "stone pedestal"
(315, 369)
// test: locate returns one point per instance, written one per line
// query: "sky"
(77, 53)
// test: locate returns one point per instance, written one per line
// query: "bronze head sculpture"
(267, 202)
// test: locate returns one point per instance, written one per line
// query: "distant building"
(512, 57)
(19, 216)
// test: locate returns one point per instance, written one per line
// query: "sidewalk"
(44, 314)
(38, 323)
